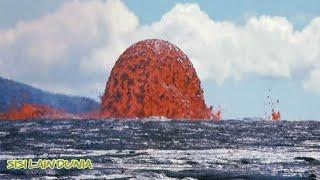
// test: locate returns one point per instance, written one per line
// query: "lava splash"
(32, 111)
(151, 78)
(154, 78)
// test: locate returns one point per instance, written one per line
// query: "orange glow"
(154, 78)
(151, 78)
(272, 104)
(276, 115)
(32, 111)
(36, 111)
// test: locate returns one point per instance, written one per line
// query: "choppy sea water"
(155, 149)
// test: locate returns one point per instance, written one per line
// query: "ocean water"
(160, 149)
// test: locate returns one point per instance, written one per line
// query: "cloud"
(50, 51)
(266, 46)
(312, 83)
(76, 46)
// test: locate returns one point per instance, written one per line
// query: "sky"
(240, 49)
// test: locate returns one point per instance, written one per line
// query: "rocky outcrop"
(154, 78)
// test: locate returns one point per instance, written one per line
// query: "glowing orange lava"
(154, 78)
(275, 115)
(151, 78)
(272, 103)
(33, 111)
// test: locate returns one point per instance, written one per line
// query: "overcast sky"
(240, 49)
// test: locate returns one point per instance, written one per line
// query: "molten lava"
(275, 115)
(151, 78)
(272, 103)
(154, 78)
(33, 111)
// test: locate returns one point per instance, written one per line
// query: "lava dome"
(154, 78)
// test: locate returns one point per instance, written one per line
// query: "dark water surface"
(152, 149)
